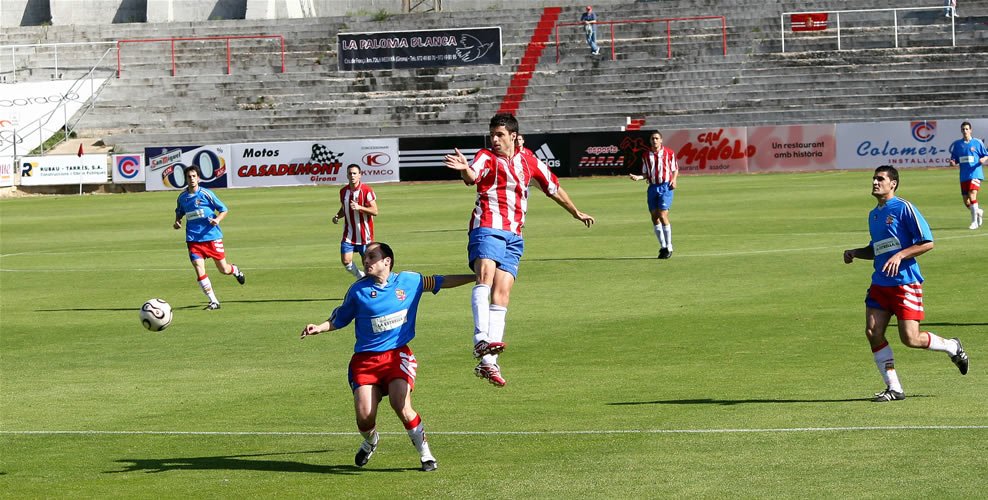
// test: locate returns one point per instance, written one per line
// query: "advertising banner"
(313, 162)
(128, 169)
(919, 143)
(710, 150)
(6, 171)
(419, 49)
(606, 153)
(793, 148)
(30, 113)
(165, 166)
(422, 157)
(63, 169)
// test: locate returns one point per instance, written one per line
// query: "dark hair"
(506, 120)
(892, 173)
(968, 124)
(354, 165)
(655, 132)
(386, 251)
(193, 168)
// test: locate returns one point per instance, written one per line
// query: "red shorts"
(380, 368)
(206, 249)
(971, 185)
(905, 301)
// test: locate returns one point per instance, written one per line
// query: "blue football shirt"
(384, 315)
(894, 226)
(968, 155)
(197, 208)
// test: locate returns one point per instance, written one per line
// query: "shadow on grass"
(241, 462)
(729, 402)
(194, 306)
(953, 324)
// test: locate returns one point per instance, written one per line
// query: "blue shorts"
(503, 247)
(659, 197)
(350, 248)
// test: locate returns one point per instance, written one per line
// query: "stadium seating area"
(755, 83)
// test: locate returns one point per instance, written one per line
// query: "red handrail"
(667, 20)
(172, 40)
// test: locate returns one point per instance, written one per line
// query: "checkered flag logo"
(322, 154)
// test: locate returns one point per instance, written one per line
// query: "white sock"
(234, 270)
(940, 344)
(974, 212)
(667, 230)
(661, 235)
(371, 436)
(354, 270)
(886, 366)
(207, 288)
(480, 301)
(496, 332)
(421, 442)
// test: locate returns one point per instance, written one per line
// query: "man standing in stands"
(660, 169)
(589, 20)
(358, 207)
(502, 175)
(969, 154)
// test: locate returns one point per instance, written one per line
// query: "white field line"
(413, 265)
(892, 428)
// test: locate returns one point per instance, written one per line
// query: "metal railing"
(9, 139)
(668, 21)
(56, 75)
(227, 38)
(895, 21)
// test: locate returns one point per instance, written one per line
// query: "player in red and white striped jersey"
(358, 207)
(502, 175)
(660, 170)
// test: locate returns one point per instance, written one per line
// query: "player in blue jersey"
(382, 307)
(203, 211)
(971, 156)
(899, 234)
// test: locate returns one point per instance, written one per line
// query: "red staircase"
(519, 81)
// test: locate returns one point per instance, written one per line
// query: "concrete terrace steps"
(697, 86)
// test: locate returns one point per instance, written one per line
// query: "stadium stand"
(754, 84)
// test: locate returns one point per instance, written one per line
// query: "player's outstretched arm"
(455, 280)
(459, 162)
(562, 199)
(867, 253)
(312, 329)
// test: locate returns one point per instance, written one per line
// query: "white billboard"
(312, 162)
(63, 169)
(30, 112)
(919, 143)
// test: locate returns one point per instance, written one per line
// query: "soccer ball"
(156, 315)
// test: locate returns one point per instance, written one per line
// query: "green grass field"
(738, 368)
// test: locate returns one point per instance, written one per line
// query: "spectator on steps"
(589, 20)
(949, 8)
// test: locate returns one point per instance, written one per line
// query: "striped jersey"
(197, 208)
(658, 166)
(384, 315)
(502, 188)
(893, 226)
(358, 227)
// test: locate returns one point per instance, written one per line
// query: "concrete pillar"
(167, 11)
